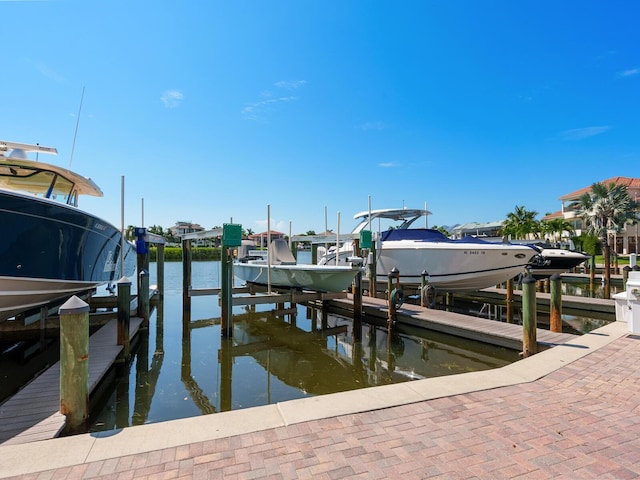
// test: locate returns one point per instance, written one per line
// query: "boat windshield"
(39, 182)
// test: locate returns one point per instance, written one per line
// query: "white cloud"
(373, 126)
(586, 132)
(255, 110)
(290, 84)
(172, 98)
(47, 71)
(629, 73)
(388, 165)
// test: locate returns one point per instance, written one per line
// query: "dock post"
(225, 288)
(423, 288)
(74, 363)
(186, 283)
(143, 296)
(392, 308)
(509, 300)
(529, 314)
(372, 272)
(124, 314)
(357, 307)
(160, 269)
(556, 303)
(592, 269)
(231, 237)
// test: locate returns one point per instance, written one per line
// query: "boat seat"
(280, 253)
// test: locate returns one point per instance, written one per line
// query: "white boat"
(451, 265)
(278, 267)
(49, 248)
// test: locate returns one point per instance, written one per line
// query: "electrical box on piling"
(365, 239)
(231, 234)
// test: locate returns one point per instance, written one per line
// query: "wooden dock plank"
(503, 334)
(602, 305)
(33, 413)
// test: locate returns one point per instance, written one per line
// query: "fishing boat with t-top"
(451, 265)
(49, 248)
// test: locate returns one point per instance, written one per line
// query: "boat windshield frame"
(40, 182)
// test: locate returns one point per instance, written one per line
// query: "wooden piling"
(424, 284)
(392, 308)
(556, 303)
(372, 272)
(160, 269)
(509, 300)
(226, 328)
(357, 307)
(143, 296)
(231, 237)
(124, 314)
(186, 282)
(529, 317)
(74, 363)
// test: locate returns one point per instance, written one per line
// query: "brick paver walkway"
(581, 421)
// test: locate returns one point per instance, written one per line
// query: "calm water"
(269, 359)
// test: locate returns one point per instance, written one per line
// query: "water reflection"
(272, 359)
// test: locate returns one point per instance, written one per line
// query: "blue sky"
(214, 110)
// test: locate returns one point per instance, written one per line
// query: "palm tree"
(129, 232)
(520, 223)
(556, 227)
(604, 209)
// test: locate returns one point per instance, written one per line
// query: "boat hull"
(50, 250)
(557, 261)
(309, 277)
(453, 266)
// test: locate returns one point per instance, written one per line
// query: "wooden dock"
(508, 335)
(498, 295)
(33, 414)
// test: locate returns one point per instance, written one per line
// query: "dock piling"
(74, 363)
(424, 284)
(143, 296)
(509, 300)
(529, 314)
(124, 314)
(556, 303)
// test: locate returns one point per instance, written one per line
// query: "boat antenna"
(426, 216)
(75, 134)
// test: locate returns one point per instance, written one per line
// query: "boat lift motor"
(141, 245)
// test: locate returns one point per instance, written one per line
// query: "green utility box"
(365, 239)
(231, 234)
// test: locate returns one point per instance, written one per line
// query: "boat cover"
(425, 235)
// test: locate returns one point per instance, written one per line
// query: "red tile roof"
(626, 181)
(551, 216)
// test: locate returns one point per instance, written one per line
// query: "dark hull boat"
(50, 249)
(555, 261)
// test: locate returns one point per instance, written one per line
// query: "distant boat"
(555, 260)
(452, 265)
(281, 269)
(49, 248)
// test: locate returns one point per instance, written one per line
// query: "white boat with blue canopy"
(451, 265)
